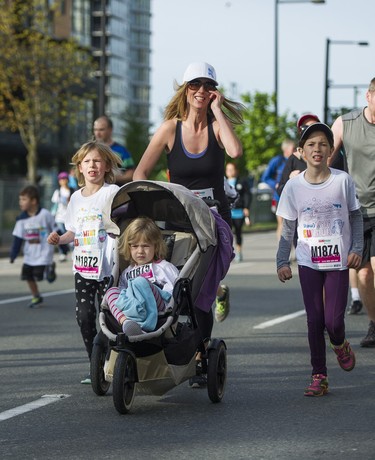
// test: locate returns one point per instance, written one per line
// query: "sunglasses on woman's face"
(196, 84)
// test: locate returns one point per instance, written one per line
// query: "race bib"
(32, 235)
(204, 193)
(326, 252)
(88, 262)
(145, 271)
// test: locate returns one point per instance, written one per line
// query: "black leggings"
(205, 322)
(237, 226)
(86, 290)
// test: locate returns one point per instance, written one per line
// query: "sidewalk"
(259, 251)
(11, 284)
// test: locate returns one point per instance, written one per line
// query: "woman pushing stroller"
(196, 134)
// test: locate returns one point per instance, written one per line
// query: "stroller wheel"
(124, 380)
(216, 371)
(98, 382)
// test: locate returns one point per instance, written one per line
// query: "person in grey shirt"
(355, 131)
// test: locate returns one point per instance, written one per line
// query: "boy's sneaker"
(345, 356)
(369, 340)
(318, 385)
(355, 307)
(222, 305)
(36, 302)
(50, 272)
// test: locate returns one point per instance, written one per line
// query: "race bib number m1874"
(326, 252)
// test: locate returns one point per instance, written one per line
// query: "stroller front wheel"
(124, 380)
(98, 381)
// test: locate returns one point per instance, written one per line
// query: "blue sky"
(237, 38)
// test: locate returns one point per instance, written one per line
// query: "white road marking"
(27, 297)
(280, 319)
(43, 401)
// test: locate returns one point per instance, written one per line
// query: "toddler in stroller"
(146, 285)
(152, 358)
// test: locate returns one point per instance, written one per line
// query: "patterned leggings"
(86, 290)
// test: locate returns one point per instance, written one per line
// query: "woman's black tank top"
(199, 171)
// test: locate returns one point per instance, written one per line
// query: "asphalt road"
(263, 415)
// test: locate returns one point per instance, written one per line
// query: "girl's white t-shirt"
(87, 218)
(322, 212)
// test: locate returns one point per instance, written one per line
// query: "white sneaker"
(62, 258)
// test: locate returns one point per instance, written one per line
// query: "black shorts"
(368, 239)
(32, 273)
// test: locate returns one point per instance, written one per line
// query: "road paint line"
(241, 266)
(27, 297)
(280, 319)
(43, 401)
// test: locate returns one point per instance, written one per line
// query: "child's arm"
(284, 271)
(16, 247)
(355, 252)
(169, 276)
(55, 239)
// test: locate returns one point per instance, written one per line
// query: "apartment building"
(118, 34)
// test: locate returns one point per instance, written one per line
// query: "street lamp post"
(278, 2)
(102, 63)
(355, 89)
(326, 81)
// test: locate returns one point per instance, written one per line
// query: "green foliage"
(42, 80)
(136, 136)
(338, 112)
(262, 132)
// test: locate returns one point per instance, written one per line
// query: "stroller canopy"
(172, 206)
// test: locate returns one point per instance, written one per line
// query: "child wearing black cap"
(322, 204)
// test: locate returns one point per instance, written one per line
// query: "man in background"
(103, 128)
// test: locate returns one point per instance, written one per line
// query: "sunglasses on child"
(196, 84)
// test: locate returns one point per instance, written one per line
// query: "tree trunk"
(32, 161)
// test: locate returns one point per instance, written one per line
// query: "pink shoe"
(345, 356)
(318, 385)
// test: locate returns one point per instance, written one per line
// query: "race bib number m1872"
(87, 262)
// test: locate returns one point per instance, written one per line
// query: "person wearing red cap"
(306, 119)
(295, 163)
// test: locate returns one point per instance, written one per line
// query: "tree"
(137, 138)
(135, 134)
(262, 133)
(42, 80)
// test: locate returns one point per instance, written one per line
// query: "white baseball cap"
(200, 70)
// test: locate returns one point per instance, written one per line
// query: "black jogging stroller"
(155, 362)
